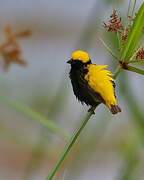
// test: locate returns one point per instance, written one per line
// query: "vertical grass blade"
(131, 8)
(134, 35)
(69, 146)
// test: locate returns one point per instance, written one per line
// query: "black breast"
(81, 88)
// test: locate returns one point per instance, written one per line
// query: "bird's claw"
(91, 109)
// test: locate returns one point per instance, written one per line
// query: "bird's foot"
(91, 109)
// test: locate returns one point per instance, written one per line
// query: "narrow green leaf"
(20, 107)
(69, 145)
(108, 49)
(134, 35)
(131, 8)
(139, 61)
(136, 70)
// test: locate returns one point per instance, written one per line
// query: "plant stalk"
(108, 49)
(134, 69)
(117, 72)
(69, 145)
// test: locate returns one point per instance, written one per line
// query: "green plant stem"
(133, 56)
(117, 72)
(134, 69)
(136, 61)
(108, 49)
(134, 35)
(119, 41)
(69, 146)
(131, 8)
(128, 11)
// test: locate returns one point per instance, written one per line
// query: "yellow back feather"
(99, 79)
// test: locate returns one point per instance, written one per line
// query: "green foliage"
(134, 35)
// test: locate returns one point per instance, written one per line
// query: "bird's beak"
(69, 62)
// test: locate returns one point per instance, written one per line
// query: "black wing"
(94, 95)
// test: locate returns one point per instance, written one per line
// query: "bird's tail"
(115, 109)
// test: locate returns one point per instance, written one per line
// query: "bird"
(92, 84)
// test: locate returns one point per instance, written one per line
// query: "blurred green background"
(110, 147)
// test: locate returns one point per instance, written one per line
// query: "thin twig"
(69, 145)
(137, 61)
(117, 72)
(133, 56)
(133, 4)
(108, 49)
(119, 40)
(128, 11)
(133, 9)
(134, 69)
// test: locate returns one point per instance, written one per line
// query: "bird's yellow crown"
(81, 56)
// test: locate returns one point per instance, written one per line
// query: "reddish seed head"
(124, 34)
(140, 54)
(114, 24)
